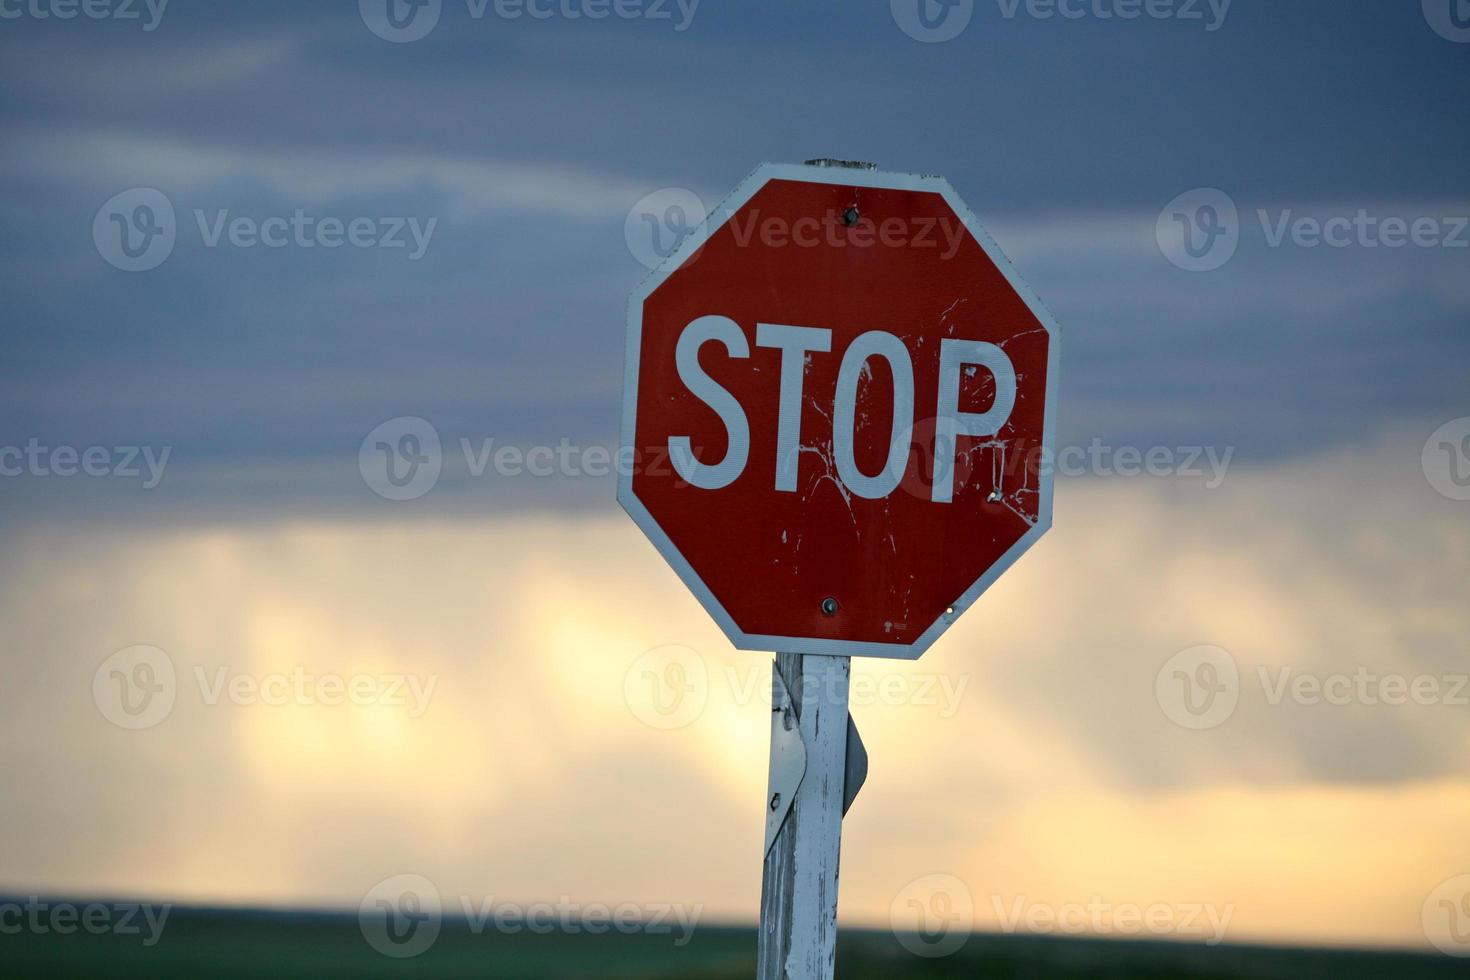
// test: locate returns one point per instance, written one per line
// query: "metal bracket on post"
(788, 757)
(856, 771)
(788, 760)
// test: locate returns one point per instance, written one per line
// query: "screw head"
(829, 606)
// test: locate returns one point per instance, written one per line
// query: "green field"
(198, 943)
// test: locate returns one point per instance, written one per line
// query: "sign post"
(798, 929)
(839, 401)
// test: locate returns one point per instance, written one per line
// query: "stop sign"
(838, 404)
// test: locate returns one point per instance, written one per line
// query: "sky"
(230, 386)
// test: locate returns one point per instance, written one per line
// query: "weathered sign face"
(838, 395)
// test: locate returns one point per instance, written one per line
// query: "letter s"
(706, 389)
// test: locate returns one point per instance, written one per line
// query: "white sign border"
(848, 177)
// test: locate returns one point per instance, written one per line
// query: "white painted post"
(798, 933)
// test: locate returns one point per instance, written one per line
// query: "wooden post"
(798, 931)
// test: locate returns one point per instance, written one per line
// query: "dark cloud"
(528, 141)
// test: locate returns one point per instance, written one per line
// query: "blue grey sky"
(1164, 183)
(527, 141)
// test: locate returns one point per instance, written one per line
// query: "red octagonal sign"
(838, 404)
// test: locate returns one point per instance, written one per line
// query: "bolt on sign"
(839, 394)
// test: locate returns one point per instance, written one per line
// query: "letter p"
(950, 423)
